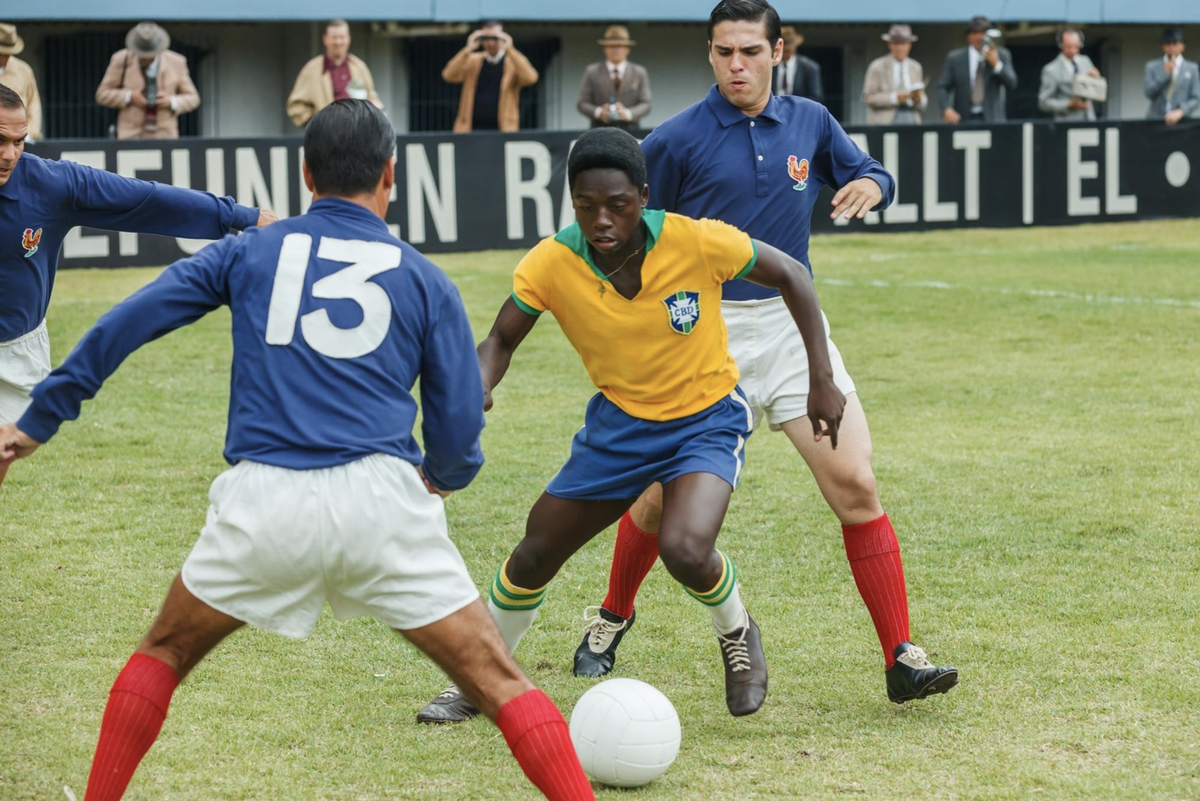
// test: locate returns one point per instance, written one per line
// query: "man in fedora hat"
(797, 74)
(976, 79)
(615, 91)
(894, 89)
(18, 76)
(148, 84)
(492, 73)
(1172, 82)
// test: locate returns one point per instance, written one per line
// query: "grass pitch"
(1034, 402)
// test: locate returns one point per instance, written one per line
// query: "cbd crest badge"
(683, 310)
(799, 172)
(31, 240)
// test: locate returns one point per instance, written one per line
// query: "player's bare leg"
(3, 473)
(467, 646)
(847, 482)
(555, 530)
(184, 632)
(694, 507)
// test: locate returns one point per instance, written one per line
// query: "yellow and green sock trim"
(720, 593)
(507, 595)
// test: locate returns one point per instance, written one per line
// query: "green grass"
(1034, 401)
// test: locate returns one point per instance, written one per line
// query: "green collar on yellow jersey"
(572, 236)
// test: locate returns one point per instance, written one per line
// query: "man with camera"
(1172, 82)
(149, 85)
(1062, 94)
(976, 79)
(492, 73)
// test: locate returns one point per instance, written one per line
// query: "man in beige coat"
(894, 89)
(18, 76)
(492, 73)
(334, 75)
(149, 85)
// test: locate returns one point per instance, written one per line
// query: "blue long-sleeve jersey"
(761, 173)
(43, 200)
(333, 321)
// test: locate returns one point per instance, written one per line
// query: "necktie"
(1171, 85)
(787, 85)
(616, 76)
(977, 89)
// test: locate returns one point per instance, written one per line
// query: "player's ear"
(308, 181)
(389, 175)
(777, 53)
(710, 61)
(645, 193)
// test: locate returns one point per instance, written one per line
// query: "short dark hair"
(492, 23)
(336, 23)
(347, 144)
(607, 149)
(9, 98)
(748, 11)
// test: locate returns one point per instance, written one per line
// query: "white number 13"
(366, 260)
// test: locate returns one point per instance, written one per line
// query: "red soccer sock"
(874, 555)
(634, 554)
(137, 707)
(538, 737)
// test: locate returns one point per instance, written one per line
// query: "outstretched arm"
(776, 269)
(496, 350)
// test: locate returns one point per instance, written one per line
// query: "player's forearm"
(801, 299)
(494, 359)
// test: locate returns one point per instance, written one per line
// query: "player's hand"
(951, 116)
(432, 489)
(856, 198)
(136, 98)
(266, 217)
(825, 406)
(15, 444)
(487, 399)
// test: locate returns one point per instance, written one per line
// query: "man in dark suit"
(1172, 82)
(615, 92)
(976, 79)
(796, 74)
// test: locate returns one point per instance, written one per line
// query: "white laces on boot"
(737, 654)
(915, 658)
(600, 632)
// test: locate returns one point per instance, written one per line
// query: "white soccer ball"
(625, 732)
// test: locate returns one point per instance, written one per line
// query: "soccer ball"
(625, 732)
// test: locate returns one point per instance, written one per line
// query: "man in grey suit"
(1172, 82)
(797, 74)
(976, 79)
(615, 92)
(1056, 96)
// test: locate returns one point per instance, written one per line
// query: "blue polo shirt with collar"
(761, 173)
(44, 199)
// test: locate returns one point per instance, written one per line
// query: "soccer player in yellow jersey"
(637, 294)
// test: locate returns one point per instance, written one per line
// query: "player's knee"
(531, 564)
(690, 561)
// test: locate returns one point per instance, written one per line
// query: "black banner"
(491, 191)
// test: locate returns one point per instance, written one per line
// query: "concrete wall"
(247, 79)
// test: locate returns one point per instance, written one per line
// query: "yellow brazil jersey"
(664, 354)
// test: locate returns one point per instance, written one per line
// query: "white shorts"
(24, 362)
(366, 536)
(771, 358)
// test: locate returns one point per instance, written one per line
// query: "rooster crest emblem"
(31, 240)
(799, 173)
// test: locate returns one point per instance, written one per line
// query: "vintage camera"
(989, 39)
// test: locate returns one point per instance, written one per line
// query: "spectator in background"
(1056, 96)
(1172, 82)
(894, 89)
(796, 74)
(492, 73)
(149, 85)
(615, 92)
(18, 76)
(976, 79)
(334, 75)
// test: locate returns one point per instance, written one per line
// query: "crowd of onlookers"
(149, 84)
